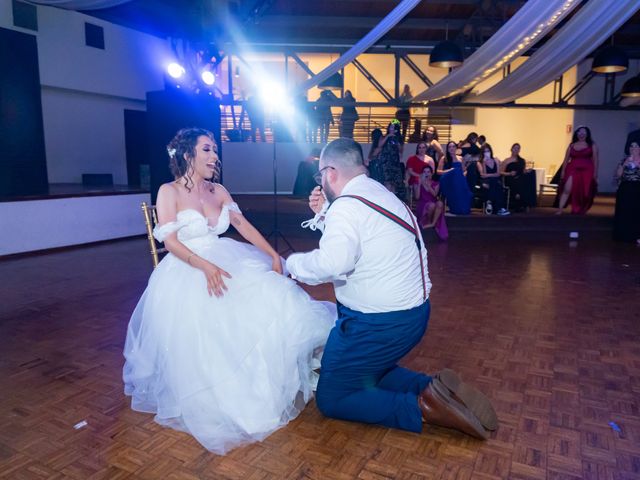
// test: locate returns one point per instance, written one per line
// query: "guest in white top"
(371, 251)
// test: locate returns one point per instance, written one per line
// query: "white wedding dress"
(228, 370)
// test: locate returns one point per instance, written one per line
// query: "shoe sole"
(469, 396)
(475, 428)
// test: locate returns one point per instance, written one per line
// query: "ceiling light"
(610, 60)
(631, 87)
(446, 55)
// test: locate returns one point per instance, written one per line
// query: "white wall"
(542, 133)
(84, 133)
(41, 224)
(86, 90)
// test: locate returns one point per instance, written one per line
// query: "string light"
(506, 59)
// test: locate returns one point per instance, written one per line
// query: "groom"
(372, 251)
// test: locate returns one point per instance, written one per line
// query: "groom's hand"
(316, 200)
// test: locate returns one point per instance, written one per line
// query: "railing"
(305, 132)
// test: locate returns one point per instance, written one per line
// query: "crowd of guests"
(452, 179)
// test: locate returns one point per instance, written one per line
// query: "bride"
(221, 344)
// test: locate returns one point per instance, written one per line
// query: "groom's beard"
(328, 192)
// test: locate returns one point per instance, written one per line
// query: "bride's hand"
(215, 281)
(276, 264)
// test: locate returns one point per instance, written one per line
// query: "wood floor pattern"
(551, 331)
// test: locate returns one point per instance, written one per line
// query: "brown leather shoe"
(448, 381)
(447, 412)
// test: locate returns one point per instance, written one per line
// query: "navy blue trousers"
(360, 379)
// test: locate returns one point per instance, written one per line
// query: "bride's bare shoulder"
(223, 192)
(170, 189)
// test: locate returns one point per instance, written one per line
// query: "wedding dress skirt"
(228, 370)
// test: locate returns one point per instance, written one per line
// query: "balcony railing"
(304, 131)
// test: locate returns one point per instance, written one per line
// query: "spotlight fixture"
(446, 55)
(176, 70)
(631, 87)
(207, 77)
(237, 72)
(610, 60)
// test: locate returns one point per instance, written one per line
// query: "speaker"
(167, 112)
(22, 159)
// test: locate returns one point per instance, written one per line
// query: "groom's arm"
(337, 253)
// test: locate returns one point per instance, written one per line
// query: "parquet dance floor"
(550, 330)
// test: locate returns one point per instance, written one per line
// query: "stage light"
(207, 77)
(176, 70)
(272, 94)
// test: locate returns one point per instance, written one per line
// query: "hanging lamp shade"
(610, 60)
(446, 55)
(631, 87)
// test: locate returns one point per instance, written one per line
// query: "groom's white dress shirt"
(372, 261)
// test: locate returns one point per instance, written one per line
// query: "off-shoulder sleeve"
(233, 207)
(162, 231)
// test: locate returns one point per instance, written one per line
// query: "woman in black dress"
(491, 182)
(391, 146)
(626, 222)
(434, 149)
(520, 180)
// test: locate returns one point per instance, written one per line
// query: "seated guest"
(520, 180)
(626, 222)
(469, 147)
(489, 168)
(453, 185)
(415, 166)
(470, 152)
(430, 210)
(306, 170)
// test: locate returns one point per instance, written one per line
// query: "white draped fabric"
(79, 4)
(588, 28)
(530, 24)
(369, 39)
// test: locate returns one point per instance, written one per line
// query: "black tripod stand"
(276, 233)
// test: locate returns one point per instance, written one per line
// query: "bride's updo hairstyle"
(182, 151)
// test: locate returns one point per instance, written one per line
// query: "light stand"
(275, 233)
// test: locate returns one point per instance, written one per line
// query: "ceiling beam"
(310, 21)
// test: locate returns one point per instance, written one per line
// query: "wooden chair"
(150, 221)
(544, 187)
(549, 176)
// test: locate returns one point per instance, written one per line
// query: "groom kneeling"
(372, 251)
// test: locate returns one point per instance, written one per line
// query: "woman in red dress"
(415, 165)
(579, 173)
